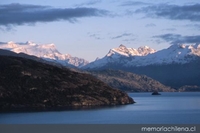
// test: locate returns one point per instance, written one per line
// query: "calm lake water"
(168, 108)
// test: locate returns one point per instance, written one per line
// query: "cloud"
(7, 28)
(134, 3)
(179, 39)
(128, 41)
(122, 35)
(19, 14)
(169, 29)
(89, 3)
(150, 25)
(173, 12)
(193, 26)
(94, 35)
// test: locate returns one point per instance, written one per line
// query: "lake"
(167, 108)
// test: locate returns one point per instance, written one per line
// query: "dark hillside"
(30, 85)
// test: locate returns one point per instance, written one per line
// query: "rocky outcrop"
(30, 85)
(156, 93)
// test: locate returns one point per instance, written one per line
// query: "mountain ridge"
(176, 66)
(130, 82)
(45, 51)
(144, 56)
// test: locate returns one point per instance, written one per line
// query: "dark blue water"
(168, 108)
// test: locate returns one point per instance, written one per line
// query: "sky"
(89, 28)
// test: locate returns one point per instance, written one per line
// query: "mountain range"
(122, 80)
(45, 51)
(144, 56)
(176, 66)
(123, 56)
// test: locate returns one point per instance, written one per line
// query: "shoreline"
(52, 109)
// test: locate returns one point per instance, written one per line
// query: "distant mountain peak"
(122, 46)
(145, 50)
(144, 56)
(121, 50)
(11, 44)
(177, 46)
(185, 50)
(145, 47)
(30, 43)
(124, 51)
(45, 51)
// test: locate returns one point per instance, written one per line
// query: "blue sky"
(89, 28)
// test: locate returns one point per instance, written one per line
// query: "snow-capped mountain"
(144, 56)
(179, 53)
(175, 66)
(121, 55)
(128, 52)
(44, 51)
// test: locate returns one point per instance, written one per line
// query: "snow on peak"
(30, 43)
(143, 56)
(121, 50)
(122, 46)
(128, 52)
(11, 44)
(177, 53)
(45, 51)
(193, 49)
(145, 50)
(177, 46)
(120, 55)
